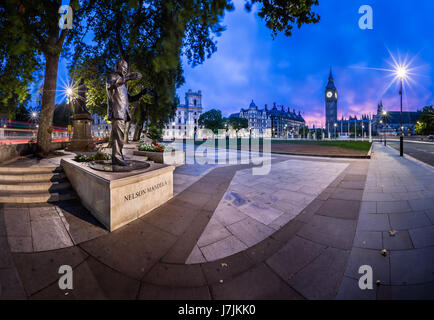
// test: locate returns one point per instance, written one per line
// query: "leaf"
(392, 232)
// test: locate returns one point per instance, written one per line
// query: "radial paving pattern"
(254, 207)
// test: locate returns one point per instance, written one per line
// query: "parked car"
(431, 137)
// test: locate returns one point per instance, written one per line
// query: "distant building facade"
(186, 120)
(99, 127)
(276, 122)
(390, 121)
(257, 118)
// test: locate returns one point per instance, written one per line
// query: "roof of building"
(274, 112)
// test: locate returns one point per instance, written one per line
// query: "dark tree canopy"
(212, 120)
(152, 36)
(425, 124)
(238, 123)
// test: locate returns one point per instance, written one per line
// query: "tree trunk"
(48, 100)
(138, 130)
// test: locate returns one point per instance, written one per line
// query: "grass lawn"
(354, 145)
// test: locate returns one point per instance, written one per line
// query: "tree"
(354, 130)
(212, 120)
(303, 130)
(33, 39)
(238, 123)
(425, 124)
(152, 35)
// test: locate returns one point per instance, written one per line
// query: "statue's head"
(122, 67)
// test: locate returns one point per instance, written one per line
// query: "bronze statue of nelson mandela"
(117, 107)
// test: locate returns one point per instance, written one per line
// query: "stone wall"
(11, 151)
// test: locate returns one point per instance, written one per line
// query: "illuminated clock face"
(336, 95)
(329, 94)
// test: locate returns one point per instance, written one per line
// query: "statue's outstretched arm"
(114, 81)
(136, 97)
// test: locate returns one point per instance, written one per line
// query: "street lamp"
(335, 125)
(384, 113)
(401, 73)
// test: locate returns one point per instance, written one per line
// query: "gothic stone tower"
(193, 99)
(331, 103)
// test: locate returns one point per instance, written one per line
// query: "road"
(421, 151)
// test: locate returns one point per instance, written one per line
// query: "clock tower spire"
(331, 102)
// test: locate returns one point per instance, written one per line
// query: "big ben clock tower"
(331, 103)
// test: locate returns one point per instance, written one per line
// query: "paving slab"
(399, 241)
(321, 278)
(340, 208)
(412, 266)
(257, 283)
(411, 220)
(380, 264)
(373, 222)
(223, 248)
(11, 287)
(50, 234)
(85, 287)
(250, 231)
(132, 249)
(337, 233)
(349, 290)
(294, 256)
(369, 240)
(422, 237)
(17, 222)
(39, 270)
(176, 275)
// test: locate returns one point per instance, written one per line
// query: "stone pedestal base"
(82, 136)
(117, 198)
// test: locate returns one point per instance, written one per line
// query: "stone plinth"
(82, 136)
(117, 198)
(176, 157)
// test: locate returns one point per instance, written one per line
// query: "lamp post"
(335, 125)
(401, 73)
(384, 116)
(401, 137)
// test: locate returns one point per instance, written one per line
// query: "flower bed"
(151, 147)
(161, 154)
(91, 157)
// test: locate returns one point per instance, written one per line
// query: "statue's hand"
(134, 76)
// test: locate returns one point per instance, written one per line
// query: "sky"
(293, 71)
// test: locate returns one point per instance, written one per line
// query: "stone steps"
(51, 186)
(31, 177)
(21, 170)
(34, 185)
(36, 197)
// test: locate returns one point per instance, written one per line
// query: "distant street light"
(384, 113)
(335, 125)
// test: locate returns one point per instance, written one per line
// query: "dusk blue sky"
(293, 71)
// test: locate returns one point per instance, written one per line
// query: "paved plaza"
(300, 232)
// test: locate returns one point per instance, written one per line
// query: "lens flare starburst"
(400, 68)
